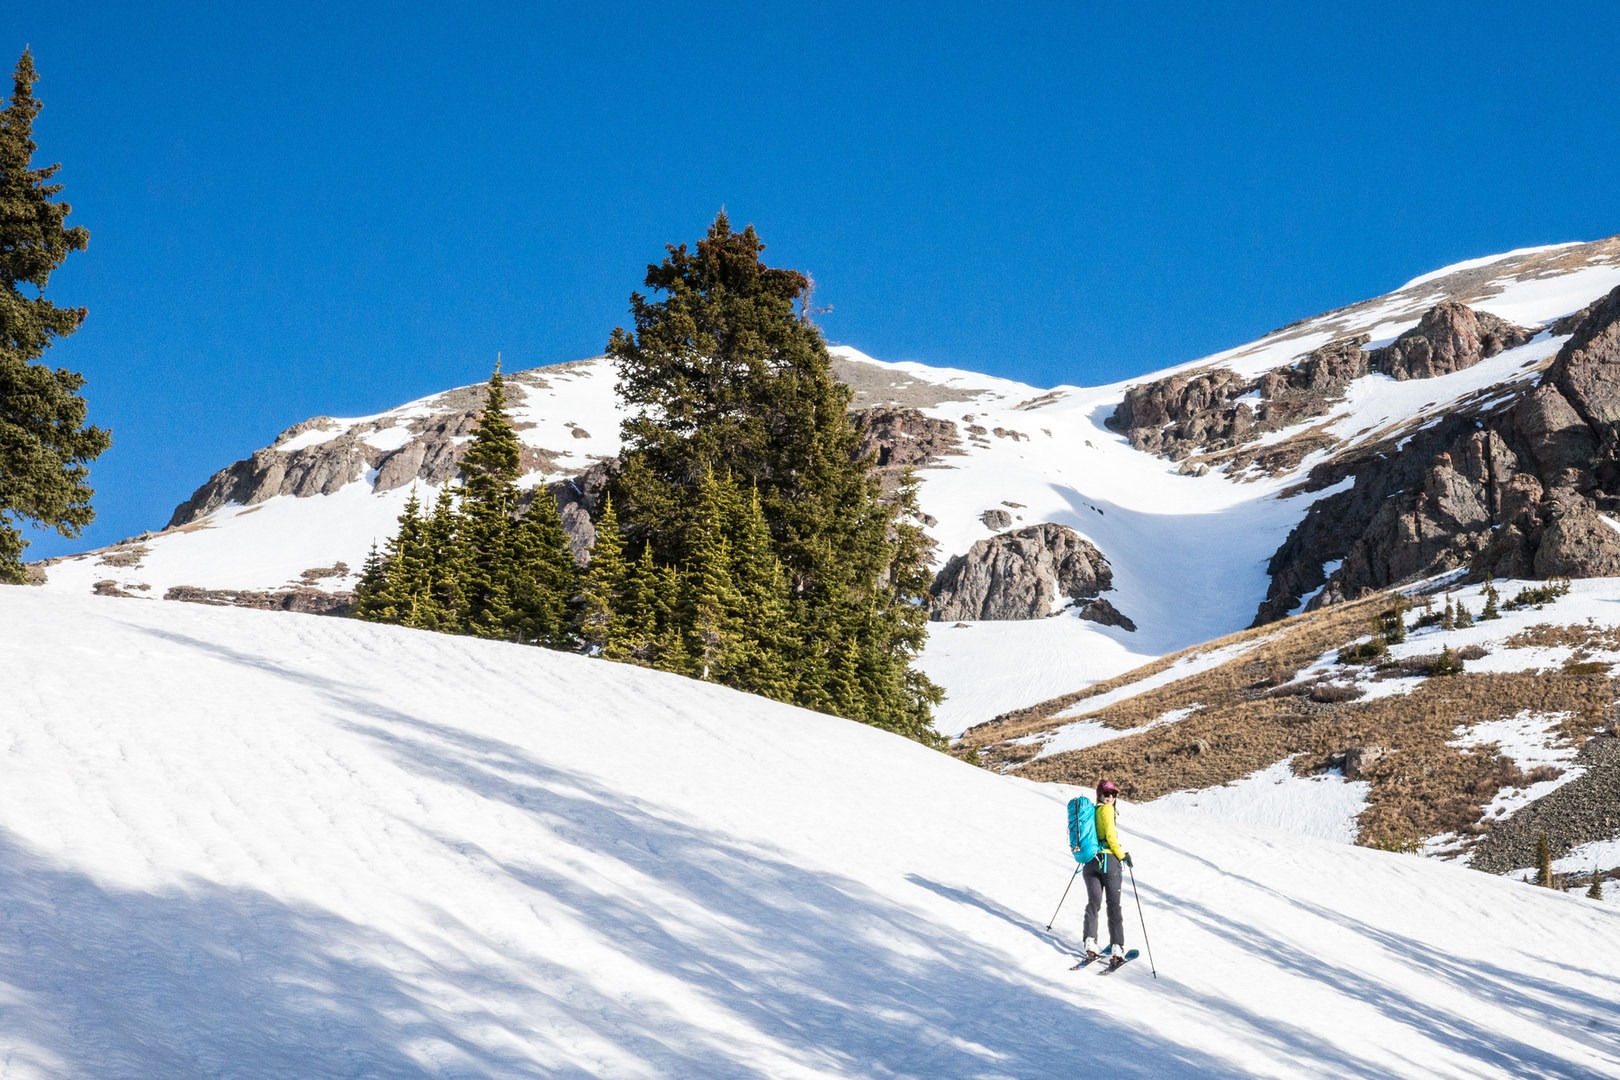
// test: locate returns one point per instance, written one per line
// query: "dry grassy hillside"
(1280, 692)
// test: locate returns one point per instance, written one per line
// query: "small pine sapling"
(1492, 598)
(1544, 871)
(1595, 890)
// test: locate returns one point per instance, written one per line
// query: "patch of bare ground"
(1266, 657)
(1250, 712)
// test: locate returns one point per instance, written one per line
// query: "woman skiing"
(1102, 876)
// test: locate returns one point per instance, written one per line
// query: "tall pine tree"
(489, 472)
(45, 446)
(723, 376)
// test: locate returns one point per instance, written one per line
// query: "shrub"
(1335, 693)
(1365, 652)
(1447, 663)
(1472, 652)
(1538, 595)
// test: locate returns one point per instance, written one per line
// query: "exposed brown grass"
(1250, 714)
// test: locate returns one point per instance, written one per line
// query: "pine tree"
(408, 596)
(372, 601)
(545, 580)
(602, 590)
(1491, 600)
(442, 605)
(45, 447)
(724, 377)
(1595, 890)
(486, 540)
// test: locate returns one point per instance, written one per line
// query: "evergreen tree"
(1465, 618)
(763, 662)
(442, 604)
(372, 600)
(722, 376)
(489, 472)
(1491, 600)
(45, 446)
(408, 589)
(602, 587)
(544, 578)
(1544, 870)
(1595, 890)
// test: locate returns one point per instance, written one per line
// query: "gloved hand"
(1127, 860)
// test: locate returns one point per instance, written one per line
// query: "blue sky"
(301, 209)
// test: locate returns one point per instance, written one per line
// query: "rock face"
(1215, 410)
(1450, 337)
(1526, 489)
(431, 454)
(899, 439)
(1020, 575)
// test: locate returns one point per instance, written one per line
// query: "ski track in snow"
(270, 845)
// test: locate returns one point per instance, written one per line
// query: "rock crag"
(1021, 574)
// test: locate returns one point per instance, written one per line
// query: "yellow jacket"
(1107, 835)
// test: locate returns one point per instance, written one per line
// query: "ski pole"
(1139, 915)
(1066, 889)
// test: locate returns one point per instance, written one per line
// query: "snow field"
(259, 844)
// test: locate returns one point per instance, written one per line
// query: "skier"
(1102, 875)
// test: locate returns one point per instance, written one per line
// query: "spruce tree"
(442, 595)
(723, 376)
(1595, 890)
(408, 589)
(45, 446)
(372, 601)
(602, 587)
(1492, 598)
(489, 472)
(544, 579)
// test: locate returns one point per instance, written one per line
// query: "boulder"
(1101, 611)
(1020, 574)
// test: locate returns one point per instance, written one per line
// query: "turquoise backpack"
(1082, 829)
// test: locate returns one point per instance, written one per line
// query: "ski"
(1131, 954)
(1087, 960)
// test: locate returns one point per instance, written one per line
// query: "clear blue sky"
(300, 209)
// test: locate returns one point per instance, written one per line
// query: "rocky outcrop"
(1523, 490)
(1019, 575)
(899, 438)
(1449, 337)
(1214, 410)
(1105, 613)
(1182, 414)
(578, 499)
(431, 455)
(306, 600)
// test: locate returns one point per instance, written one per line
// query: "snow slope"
(249, 844)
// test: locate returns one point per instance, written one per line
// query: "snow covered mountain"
(1195, 484)
(270, 845)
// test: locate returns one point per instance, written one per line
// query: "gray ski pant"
(1099, 881)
